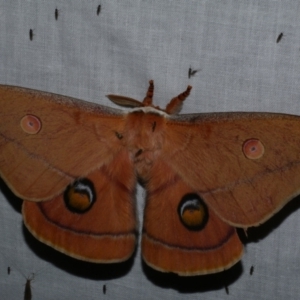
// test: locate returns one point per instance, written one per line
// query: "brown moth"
(76, 165)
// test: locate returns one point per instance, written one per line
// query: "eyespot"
(80, 196)
(193, 212)
(31, 124)
(253, 149)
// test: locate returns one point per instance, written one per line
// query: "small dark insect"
(31, 34)
(227, 289)
(27, 292)
(251, 270)
(279, 37)
(56, 13)
(8, 270)
(104, 289)
(98, 10)
(192, 72)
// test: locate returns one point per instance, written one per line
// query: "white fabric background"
(86, 56)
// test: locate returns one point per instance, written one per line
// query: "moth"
(98, 10)
(279, 37)
(226, 289)
(77, 164)
(27, 291)
(56, 13)
(192, 72)
(31, 34)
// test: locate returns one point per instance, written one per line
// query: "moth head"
(172, 108)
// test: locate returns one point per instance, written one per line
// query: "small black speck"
(119, 135)
(56, 14)
(279, 37)
(31, 34)
(98, 10)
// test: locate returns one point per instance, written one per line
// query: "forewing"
(75, 138)
(211, 153)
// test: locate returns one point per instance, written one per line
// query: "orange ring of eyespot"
(193, 217)
(31, 124)
(253, 149)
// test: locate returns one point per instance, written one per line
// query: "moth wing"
(62, 139)
(106, 232)
(180, 233)
(245, 166)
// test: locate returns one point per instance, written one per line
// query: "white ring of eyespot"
(194, 202)
(81, 187)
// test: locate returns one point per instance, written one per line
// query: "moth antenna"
(149, 95)
(175, 104)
